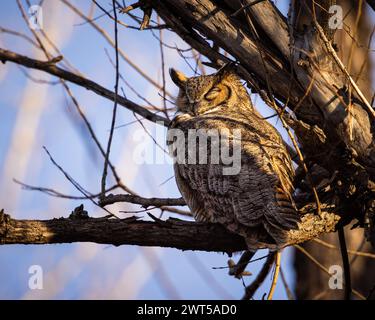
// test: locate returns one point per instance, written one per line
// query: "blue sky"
(36, 115)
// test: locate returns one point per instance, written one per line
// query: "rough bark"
(184, 235)
(333, 133)
(267, 64)
(172, 233)
(362, 270)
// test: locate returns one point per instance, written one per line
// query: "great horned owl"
(258, 198)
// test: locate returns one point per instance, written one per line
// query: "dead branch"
(345, 263)
(324, 269)
(254, 286)
(114, 112)
(144, 202)
(108, 38)
(172, 233)
(51, 68)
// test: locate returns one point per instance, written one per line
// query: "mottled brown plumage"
(259, 198)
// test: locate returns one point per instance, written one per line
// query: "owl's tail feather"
(288, 215)
(283, 218)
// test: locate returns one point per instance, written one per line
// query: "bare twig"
(145, 202)
(351, 53)
(96, 140)
(69, 92)
(108, 14)
(275, 275)
(345, 263)
(113, 122)
(55, 193)
(323, 268)
(127, 83)
(75, 183)
(110, 41)
(19, 34)
(40, 81)
(352, 252)
(262, 275)
(245, 7)
(50, 68)
(208, 277)
(332, 51)
(162, 59)
(286, 286)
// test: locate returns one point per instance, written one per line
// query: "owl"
(254, 201)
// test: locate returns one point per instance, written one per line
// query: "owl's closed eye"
(202, 94)
(218, 93)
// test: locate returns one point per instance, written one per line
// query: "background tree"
(358, 28)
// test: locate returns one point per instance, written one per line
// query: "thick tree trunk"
(315, 285)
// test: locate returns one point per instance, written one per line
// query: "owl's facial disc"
(212, 100)
(203, 94)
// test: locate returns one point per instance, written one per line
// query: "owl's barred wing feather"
(193, 198)
(259, 196)
(225, 200)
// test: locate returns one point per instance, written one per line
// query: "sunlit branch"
(51, 68)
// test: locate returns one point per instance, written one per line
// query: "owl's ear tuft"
(178, 77)
(228, 69)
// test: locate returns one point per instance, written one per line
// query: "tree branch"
(173, 233)
(198, 21)
(262, 275)
(51, 68)
(214, 22)
(271, 21)
(144, 202)
(345, 263)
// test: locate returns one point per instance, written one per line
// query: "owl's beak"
(195, 111)
(199, 108)
(195, 107)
